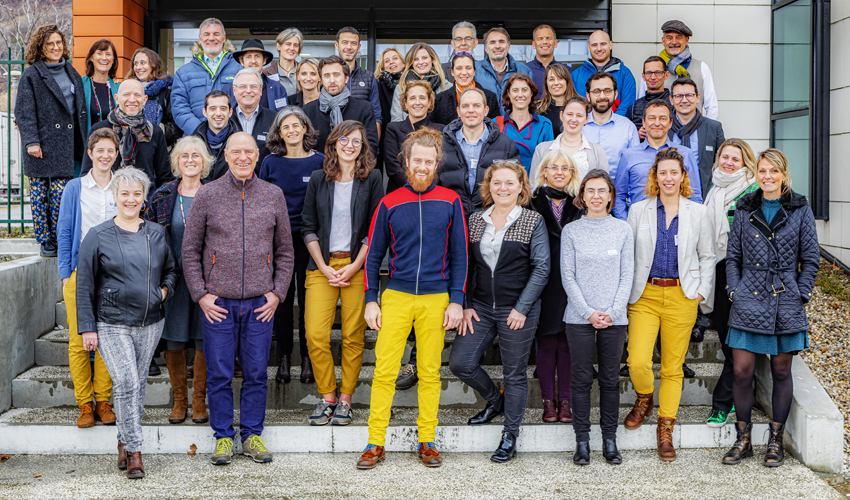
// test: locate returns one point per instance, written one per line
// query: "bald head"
(131, 97)
(241, 153)
(599, 46)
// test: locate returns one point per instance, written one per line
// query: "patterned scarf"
(685, 131)
(334, 104)
(390, 79)
(153, 111)
(132, 130)
(679, 64)
(459, 91)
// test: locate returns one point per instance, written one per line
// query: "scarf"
(390, 80)
(459, 91)
(555, 194)
(685, 131)
(216, 140)
(678, 65)
(153, 111)
(726, 188)
(132, 130)
(334, 104)
(433, 78)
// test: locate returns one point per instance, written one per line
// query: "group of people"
(192, 210)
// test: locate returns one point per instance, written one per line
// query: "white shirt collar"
(557, 142)
(88, 182)
(512, 216)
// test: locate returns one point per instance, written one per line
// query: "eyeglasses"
(243, 87)
(463, 53)
(607, 92)
(465, 39)
(657, 74)
(592, 192)
(679, 97)
(354, 142)
(555, 168)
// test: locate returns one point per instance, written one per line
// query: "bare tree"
(20, 18)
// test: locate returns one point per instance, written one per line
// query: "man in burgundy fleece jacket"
(237, 261)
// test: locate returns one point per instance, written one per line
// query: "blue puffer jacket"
(626, 89)
(485, 76)
(194, 81)
(771, 268)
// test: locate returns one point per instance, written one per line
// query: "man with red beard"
(423, 226)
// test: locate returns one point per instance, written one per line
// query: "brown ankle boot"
(199, 390)
(135, 468)
(565, 414)
(665, 439)
(103, 413)
(122, 457)
(176, 363)
(86, 418)
(643, 407)
(550, 411)
(775, 455)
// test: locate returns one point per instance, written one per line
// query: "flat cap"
(678, 27)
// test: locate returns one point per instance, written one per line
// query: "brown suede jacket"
(237, 242)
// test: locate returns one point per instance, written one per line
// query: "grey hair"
(129, 176)
(289, 33)
(465, 24)
(183, 145)
(212, 21)
(248, 71)
(275, 142)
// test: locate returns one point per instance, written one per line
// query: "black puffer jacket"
(119, 276)
(771, 268)
(453, 172)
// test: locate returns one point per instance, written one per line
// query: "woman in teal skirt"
(772, 262)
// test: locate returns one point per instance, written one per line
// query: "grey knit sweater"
(597, 268)
(57, 70)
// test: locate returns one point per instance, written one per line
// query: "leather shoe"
(371, 456)
(698, 333)
(506, 450)
(550, 411)
(610, 452)
(687, 372)
(582, 454)
(565, 414)
(429, 455)
(624, 371)
(154, 369)
(122, 457)
(643, 406)
(489, 412)
(307, 371)
(666, 451)
(283, 375)
(135, 468)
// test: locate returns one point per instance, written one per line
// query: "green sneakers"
(223, 452)
(719, 418)
(256, 449)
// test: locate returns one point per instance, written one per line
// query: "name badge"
(362, 84)
(305, 179)
(612, 252)
(676, 239)
(709, 148)
(644, 226)
(73, 90)
(261, 138)
(279, 103)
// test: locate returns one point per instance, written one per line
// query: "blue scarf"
(153, 111)
(216, 140)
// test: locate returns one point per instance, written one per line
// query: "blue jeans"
(240, 330)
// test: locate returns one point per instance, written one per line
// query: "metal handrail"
(8, 188)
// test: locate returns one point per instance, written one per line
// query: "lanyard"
(180, 198)
(109, 99)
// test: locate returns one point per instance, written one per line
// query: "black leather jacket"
(119, 276)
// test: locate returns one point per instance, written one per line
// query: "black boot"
(687, 372)
(489, 412)
(283, 375)
(775, 455)
(307, 371)
(506, 450)
(743, 446)
(582, 454)
(610, 452)
(153, 369)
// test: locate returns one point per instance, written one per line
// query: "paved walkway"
(697, 474)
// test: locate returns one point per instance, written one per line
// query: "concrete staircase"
(43, 416)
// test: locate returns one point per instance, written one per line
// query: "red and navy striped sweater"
(426, 235)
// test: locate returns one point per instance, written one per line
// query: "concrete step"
(51, 386)
(53, 431)
(52, 350)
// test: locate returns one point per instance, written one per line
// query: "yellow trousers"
(319, 313)
(78, 357)
(664, 309)
(400, 311)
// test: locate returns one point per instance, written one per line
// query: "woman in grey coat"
(771, 264)
(50, 112)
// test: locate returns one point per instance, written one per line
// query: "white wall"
(732, 37)
(834, 235)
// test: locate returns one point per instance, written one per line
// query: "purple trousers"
(553, 356)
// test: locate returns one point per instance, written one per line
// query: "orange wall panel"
(135, 12)
(100, 26)
(134, 31)
(123, 46)
(98, 7)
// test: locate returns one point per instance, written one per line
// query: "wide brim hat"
(253, 45)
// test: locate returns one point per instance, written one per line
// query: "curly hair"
(35, 48)
(506, 94)
(155, 62)
(102, 44)
(365, 161)
(524, 197)
(563, 73)
(425, 137)
(412, 85)
(275, 142)
(652, 188)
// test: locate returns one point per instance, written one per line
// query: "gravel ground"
(829, 337)
(697, 474)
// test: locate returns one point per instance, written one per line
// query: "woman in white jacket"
(674, 268)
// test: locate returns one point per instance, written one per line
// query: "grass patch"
(16, 232)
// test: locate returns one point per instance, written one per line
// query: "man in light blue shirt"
(636, 161)
(613, 132)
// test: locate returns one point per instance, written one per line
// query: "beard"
(602, 107)
(420, 185)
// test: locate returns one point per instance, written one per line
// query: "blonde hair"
(313, 62)
(652, 188)
(525, 190)
(412, 85)
(551, 157)
(436, 67)
(747, 155)
(777, 159)
(185, 144)
(379, 68)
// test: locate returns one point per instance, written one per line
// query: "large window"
(799, 118)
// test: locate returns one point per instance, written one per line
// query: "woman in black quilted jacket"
(772, 262)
